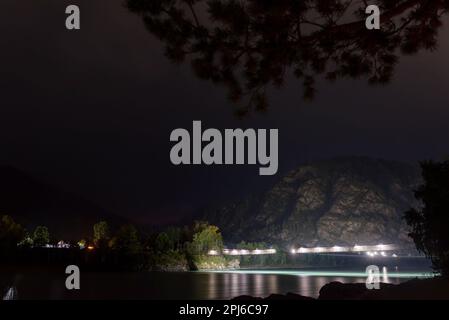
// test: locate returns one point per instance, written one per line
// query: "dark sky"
(92, 111)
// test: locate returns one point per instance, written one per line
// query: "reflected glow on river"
(50, 284)
(261, 283)
(329, 273)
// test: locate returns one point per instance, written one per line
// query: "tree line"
(175, 248)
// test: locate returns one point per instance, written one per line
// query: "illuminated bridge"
(374, 250)
(370, 250)
(242, 252)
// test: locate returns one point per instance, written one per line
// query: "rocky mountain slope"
(345, 201)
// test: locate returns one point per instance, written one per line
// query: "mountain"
(32, 202)
(344, 201)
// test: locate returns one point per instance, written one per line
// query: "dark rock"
(246, 297)
(275, 296)
(436, 288)
(338, 290)
(416, 289)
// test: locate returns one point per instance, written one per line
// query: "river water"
(190, 285)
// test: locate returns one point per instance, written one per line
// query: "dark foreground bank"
(417, 289)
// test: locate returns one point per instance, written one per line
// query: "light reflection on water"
(186, 285)
(261, 283)
(328, 273)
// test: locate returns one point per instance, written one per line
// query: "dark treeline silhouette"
(173, 249)
(430, 223)
(253, 44)
(126, 248)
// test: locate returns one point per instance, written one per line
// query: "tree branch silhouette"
(250, 45)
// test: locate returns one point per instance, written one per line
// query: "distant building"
(62, 245)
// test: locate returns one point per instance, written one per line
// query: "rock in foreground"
(417, 289)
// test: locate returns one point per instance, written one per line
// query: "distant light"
(351, 274)
(90, 247)
(213, 252)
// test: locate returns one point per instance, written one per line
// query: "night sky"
(92, 111)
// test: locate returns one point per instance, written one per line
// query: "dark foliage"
(251, 45)
(10, 233)
(430, 224)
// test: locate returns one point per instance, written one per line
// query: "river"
(190, 285)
